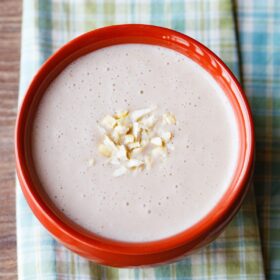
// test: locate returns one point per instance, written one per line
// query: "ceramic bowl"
(125, 254)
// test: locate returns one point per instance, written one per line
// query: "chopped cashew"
(109, 143)
(169, 118)
(132, 163)
(121, 114)
(133, 145)
(136, 151)
(91, 162)
(138, 114)
(148, 122)
(121, 154)
(121, 129)
(109, 122)
(133, 141)
(166, 136)
(136, 130)
(120, 171)
(105, 150)
(129, 138)
(157, 141)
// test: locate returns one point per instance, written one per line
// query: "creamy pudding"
(179, 188)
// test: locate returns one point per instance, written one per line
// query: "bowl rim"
(191, 235)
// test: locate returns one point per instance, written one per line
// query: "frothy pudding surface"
(174, 193)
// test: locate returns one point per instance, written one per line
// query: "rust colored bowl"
(126, 254)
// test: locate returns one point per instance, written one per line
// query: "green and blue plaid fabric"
(252, 53)
(259, 33)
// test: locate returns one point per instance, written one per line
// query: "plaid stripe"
(47, 24)
(259, 23)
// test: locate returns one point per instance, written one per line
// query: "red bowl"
(125, 254)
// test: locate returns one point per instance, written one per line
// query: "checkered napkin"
(259, 37)
(237, 253)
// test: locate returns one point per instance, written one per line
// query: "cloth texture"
(245, 35)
